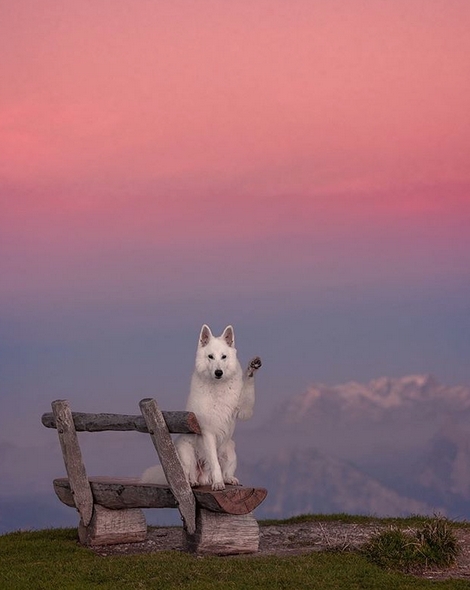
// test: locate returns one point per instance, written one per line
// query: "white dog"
(220, 393)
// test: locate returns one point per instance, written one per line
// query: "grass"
(432, 544)
(410, 521)
(53, 560)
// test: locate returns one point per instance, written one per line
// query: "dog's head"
(216, 357)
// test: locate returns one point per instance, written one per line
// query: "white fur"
(219, 394)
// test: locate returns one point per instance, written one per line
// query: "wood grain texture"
(80, 488)
(118, 493)
(223, 534)
(110, 527)
(170, 462)
(232, 500)
(123, 492)
(177, 422)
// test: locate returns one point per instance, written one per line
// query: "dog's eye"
(224, 356)
(211, 356)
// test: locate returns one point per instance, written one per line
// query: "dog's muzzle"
(218, 373)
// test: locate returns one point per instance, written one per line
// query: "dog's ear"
(205, 335)
(229, 336)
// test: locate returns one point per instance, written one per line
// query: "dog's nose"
(218, 373)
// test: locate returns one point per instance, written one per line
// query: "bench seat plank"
(232, 500)
(118, 493)
(125, 492)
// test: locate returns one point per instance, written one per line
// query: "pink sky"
(155, 150)
(267, 96)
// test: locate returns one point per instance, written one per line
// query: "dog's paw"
(232, 481)
(218, 485)
(254, 365)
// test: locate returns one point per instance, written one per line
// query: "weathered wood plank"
(177, 422)
(83, 498)
(110, 527)
(118, 493)
(127, 492)
(223, 534)
(169, 459)
(232, 500)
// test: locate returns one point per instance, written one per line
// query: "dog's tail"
(154, 474)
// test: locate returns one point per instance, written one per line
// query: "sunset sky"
(299, 169)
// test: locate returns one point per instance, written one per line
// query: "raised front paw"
(254, 365)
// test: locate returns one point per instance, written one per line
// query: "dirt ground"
(297, 539)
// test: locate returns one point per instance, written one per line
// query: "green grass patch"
(410, 521)
(53, 560)
(432, 544)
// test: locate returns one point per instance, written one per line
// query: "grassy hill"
(52, 560)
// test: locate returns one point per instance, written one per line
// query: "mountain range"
(390, 447)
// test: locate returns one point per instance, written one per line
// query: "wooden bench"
(214, 522)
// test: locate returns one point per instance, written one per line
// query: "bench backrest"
(153, 421)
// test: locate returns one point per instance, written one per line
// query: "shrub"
(434, 544)
(438, 542)
(392, 549)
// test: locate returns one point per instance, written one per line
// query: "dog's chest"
(214, 406)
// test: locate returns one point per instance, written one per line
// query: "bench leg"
(109, 527)
(223, 534)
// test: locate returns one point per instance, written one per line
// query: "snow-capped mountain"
(376, 400)
(407, 439)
